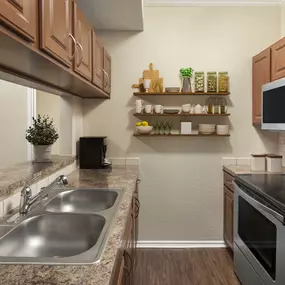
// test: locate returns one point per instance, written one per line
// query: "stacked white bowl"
(207, 129)
(222, 129)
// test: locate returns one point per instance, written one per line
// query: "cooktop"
(269, 186)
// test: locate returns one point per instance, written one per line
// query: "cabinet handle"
(106, 81)
(82, 51)
(74, 42)
(139, 181)
(131, 262)
(138, 205)
(128, 274)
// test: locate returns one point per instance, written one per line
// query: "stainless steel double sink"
(67, 227)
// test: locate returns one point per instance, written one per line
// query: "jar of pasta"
(223, 82)
(212, 82)
(199, 82)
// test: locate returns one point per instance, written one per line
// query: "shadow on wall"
(268, 138)
(180, 145)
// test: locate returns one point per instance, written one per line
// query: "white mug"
(198, 109)
(158, 109)
(148, 109)
(186, 108)
(139, 106)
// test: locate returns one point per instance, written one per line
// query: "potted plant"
(186, 74)
(42, 135)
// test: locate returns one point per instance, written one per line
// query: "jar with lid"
(223, 82)
(199, 82)
(212, 82)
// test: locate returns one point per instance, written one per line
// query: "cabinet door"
(97, 75)
(83, 36)
(107, 72)
(278, 60)
(260, 76)
(121, 273)
(21, 16)
(56, 37)
(228, 217)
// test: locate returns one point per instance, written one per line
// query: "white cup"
(222, 129)
(198, 109)
(186, 108)
(139, 106)
(148, 109)
(158, 109)
(146, 84)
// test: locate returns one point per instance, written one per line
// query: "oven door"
(259, 233)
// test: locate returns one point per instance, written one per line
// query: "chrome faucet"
(27, 200)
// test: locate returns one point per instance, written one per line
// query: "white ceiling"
(211, 2)
(124, 15)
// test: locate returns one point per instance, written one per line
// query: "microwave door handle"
(260, 206)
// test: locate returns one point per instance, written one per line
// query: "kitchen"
(181, 193)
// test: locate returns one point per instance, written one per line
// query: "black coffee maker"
(92, 153)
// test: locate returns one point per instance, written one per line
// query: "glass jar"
(199, 82)
(212, 82)
(210, 106)
(223, 82)
(223, 106)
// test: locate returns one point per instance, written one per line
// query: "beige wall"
(48, 104)
(181, 191)
(13, 123)
(66, 112)
(283, 20)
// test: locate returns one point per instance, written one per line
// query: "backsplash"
(282, 146)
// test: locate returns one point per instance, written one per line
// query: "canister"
(258, 162)
(274, 163)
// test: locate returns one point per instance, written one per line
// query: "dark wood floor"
(184, 267)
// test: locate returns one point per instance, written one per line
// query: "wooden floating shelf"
(181, 93)
(180, 135)
(181, 115)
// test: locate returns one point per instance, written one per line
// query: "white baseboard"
(181, 244)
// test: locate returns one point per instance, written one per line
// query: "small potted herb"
(42, 135)
(186, 74)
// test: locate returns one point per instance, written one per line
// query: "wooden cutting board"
(151, 73)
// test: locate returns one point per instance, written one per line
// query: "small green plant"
(42, 132)
(186, 72)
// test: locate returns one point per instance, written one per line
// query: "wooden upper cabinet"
(278, 60)
(97, 75)
(21, 16)
(260, 76)
(56, 34)
(107, 72)
(83, 36)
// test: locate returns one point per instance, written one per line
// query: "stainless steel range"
(259, 229)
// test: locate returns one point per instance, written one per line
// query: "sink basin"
(53, 235)
(82, 201)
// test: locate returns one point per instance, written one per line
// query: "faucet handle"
(26, 191)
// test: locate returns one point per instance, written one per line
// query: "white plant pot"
(42, 153)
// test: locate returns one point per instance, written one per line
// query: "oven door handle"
(260, 206)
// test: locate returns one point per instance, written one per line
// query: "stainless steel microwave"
(273, 106)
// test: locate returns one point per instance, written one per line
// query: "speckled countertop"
(95, 274)
(12, 178)
(243, 169)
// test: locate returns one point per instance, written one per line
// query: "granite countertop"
(94, 274)
(244, 169)
(12, 178)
